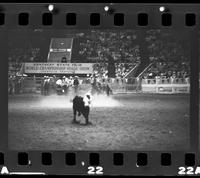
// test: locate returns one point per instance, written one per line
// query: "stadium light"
(162, 9)
(109, 9)
(106, 8)
(50, 7)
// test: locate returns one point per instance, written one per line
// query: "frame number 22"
(95, 170)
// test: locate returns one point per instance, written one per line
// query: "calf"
(80, 108)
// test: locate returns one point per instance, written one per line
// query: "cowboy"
(87, 103)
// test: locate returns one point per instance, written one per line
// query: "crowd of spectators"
(17, 56)
(168, 70)
(121, 69)
(167, 51)
(95, 45)
(28, 54)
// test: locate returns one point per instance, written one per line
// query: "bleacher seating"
(167, 49)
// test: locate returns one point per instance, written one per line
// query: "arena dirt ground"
(122, 122)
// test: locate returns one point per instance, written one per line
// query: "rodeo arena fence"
(25, 84)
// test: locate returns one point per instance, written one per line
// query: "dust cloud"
(104, 101)
(55, 101)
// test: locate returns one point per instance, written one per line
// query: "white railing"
(167, 81)
(176, 85)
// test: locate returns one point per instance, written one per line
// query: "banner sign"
(58, 68)
(166, 88)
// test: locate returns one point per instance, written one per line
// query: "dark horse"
(79, 107)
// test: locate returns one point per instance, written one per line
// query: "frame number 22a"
(189, 171)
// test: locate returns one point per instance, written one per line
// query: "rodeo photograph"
(98, 89)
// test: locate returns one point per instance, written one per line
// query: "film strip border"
(104, 163)
(115, 163)
(95, 19)
(98, 16)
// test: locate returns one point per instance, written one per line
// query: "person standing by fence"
(76, 85)
(11, 85)
(46, 85)
(42, 85)
(18, 85)
(59, 86)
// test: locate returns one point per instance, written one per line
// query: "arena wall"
(33, 85)
(165, 86)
